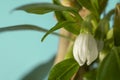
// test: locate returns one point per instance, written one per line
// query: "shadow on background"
(40, 72)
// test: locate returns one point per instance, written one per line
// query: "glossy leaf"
(116, 26)
(42, 8)
(57, 26)
(64, 70)
(109, 69)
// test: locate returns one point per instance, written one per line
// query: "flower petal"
(77, 50)
(93, 51)
(85, 49)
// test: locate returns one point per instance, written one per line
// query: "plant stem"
(82, 70)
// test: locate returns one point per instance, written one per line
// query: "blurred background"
(22, 51)
(22, 55)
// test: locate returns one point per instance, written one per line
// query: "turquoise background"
(21, 51)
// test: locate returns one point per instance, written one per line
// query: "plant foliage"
(107, 65)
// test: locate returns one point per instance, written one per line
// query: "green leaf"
(103, 28)
(116, 26)
(59, 15)
(58, 26)
(75, 4)
(64, 70)
(66, 16)
(110, 34)
(87, 24)
(42, 8)
(73, 28)
(109, 41)
(86, 4)
(22, 27)
(109, 69)
(27, 27)
(95, 4)
(91, 5)
(100, 33)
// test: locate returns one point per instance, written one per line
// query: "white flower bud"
(85, 49)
